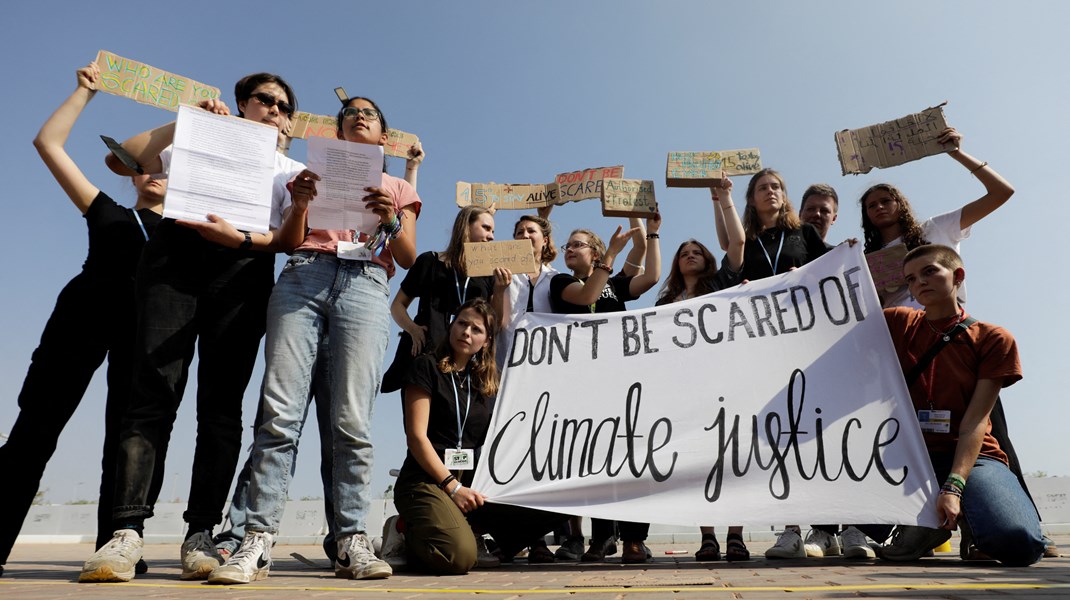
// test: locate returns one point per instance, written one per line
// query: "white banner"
(777, 402)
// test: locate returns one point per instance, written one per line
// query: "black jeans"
(603, 529)
(190, 293)
(93, 318)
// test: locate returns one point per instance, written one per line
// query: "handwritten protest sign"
(886, 269)
(628, 198)
(703, 169)
(793, 400)
(892, 143)
(305, 125)
(481, 258)
(520, 196)
(585, 184)
(149, 85)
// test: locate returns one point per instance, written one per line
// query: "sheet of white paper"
(345, 169)
(223, 166)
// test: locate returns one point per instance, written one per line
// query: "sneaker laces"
(358, 547)
(782, 539)
(126, 543)
(247, 548)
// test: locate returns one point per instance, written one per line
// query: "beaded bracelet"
(951, 490)
(601, 265)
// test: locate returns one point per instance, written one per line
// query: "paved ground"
(41, 571)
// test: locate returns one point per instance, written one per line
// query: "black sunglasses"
(268, 100)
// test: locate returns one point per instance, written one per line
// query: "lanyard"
(457, 404)
(461, 297)
(773, 263)
(531, 296)
(144, 231)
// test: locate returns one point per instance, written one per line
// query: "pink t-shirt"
(326, 240)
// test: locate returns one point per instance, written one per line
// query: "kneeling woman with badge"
(449, 398)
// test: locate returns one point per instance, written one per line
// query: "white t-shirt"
(286, 169)
(944, 230)
(518, 293)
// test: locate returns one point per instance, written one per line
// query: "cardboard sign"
(518, 196)
(628, 198)
(307, 125)
(703, 169)
(584, 185)
(149, 85)
(886, 269)
(892, 143)
(481, 258)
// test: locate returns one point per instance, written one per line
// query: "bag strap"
(927, 358)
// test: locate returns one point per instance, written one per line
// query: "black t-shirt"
(615, 293)
(800, 247)
(449, 392)
(115, 238)
(440, 291)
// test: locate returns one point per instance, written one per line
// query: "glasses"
(575, 246)
(352, 112)
(268, 100)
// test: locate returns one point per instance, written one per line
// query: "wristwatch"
(247, 242)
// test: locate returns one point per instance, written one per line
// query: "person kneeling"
(449, 397)
(954, 391)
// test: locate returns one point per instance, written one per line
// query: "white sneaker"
(199, 556)
(116, 560)
(484, 558)
(821, 543)
(356, 559)
(789, 544)
(251, 562)
(393, 549)
(855, 544)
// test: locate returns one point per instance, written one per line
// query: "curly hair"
(909, 228)
(786, 218)
(484, 370)
(674, 285)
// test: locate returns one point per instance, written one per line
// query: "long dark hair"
(243, 90)
(483, 368)
(909, 228)
(675, 285)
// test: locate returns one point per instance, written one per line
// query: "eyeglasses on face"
(352, 112)
(268, 100)
(575, 245)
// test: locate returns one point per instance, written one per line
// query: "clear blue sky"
(517, 92)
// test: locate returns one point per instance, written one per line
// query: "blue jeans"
(999, 513)
(317, 293)
(231, 539)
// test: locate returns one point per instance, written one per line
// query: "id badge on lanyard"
(935, 421)
(461, 459)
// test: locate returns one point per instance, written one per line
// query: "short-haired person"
(200, 286)
(960, 386)
(819, 206)
(449, 399)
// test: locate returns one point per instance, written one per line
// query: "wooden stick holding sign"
(149, 85)
(703, 169)
(628, 198)
(892, 143)
(481, 258)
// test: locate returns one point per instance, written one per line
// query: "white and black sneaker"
(357, 560)
(251, 562)
(116, 560)
(393, 549)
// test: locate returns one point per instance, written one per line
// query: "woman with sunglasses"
(333, 291)
(591, 289)
(93, 318)
(203, 286)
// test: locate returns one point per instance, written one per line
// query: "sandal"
(709, 551)
(735, 549)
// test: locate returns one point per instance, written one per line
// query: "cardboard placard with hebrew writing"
(703, 169)
(892, 143)
(481, 258)
(886, 269)
(149, 85)
(584, 185)
(628, 198)
(507, 196)
(305, 125)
